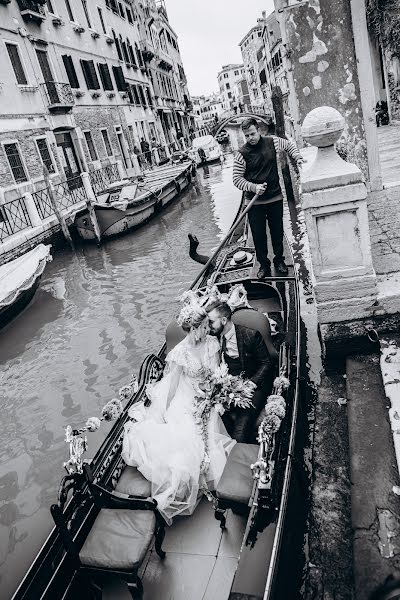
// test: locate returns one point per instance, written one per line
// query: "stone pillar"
(334, 200)
(121, 170)
(32, 210)
(135, 164)
(156, 156)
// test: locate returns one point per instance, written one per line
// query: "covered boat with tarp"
(129, 204)
(19, 280)
(239, 543)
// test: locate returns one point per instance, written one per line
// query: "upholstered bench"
(132, 482)
(236, 483)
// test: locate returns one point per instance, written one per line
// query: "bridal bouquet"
(219, 390)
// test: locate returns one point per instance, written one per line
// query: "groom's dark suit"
(255, 364)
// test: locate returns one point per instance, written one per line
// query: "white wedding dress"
(165, 443)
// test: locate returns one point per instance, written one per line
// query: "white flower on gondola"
(275, 408)
(92, 424)
(281, 383)
(219, 408)
(112, 410)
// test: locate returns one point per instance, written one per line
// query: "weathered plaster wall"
(321, 50)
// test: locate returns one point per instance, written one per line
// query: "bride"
(163, 441)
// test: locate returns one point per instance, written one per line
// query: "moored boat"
(124, 207)
(19, 280)
(205, 149)
(203, 561)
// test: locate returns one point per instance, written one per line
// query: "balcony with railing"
(59, 96)
(32, 10)
(148, 50)
(14, 217)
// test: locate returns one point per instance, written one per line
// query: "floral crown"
(195, 303)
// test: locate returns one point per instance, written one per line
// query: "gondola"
(245, 560)
(20, 279)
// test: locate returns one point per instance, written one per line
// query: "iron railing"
(14, 217)
(67, 193)
(101, 179)
(58, 94)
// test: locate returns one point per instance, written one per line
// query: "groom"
(244, 352)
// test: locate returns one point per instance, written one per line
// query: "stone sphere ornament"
(322, 126)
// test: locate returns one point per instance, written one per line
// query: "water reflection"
(96, 315)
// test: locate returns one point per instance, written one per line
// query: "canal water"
(96, 315)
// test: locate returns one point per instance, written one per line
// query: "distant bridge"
(231, 115)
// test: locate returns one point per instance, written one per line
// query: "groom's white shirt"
(231, 343)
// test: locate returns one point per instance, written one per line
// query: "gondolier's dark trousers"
(258, 217)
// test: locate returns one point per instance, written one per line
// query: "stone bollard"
(34, 216)
(334, 200)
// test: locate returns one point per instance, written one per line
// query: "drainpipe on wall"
(365, 78)
(287, 65)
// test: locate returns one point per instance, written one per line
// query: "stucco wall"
(321, 50)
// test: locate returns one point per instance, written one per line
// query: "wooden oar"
(232, 229)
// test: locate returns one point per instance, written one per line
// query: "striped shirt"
(239, 163)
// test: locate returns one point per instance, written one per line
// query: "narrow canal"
(97, 313)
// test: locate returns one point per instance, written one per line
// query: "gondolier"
(255, 171)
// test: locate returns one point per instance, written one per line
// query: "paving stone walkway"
(389, 152)
(384, 227)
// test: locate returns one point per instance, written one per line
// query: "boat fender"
(189, 177)
(194, 170)
(177, 187)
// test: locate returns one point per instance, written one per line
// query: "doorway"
(121, 147)
(68, 158)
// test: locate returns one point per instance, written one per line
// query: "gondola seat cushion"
(132, 482)
(119, 539)
(236, 482)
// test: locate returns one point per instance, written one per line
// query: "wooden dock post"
(91, 199)
(57, 211)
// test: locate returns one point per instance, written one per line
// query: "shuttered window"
(15, 162)
(132, 56)
(263, 77)
(119, 79)
(45, 154)
(101, 19)
(69, 10)
(105, 76)
(13, 53)
(86, 11)
(107, 143)
(70, 70)
(142, 97)
(50, 7)
(125, 51)
(90, 145)
(135, 94)
(90, 75)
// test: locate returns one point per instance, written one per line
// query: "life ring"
(177, 187)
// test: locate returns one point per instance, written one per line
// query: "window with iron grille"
(69, 10)
(89, 72)
(13, 53)
(15, 162)
(107, 143)
(101, 19)
(90, 145)
(86, 11)
(45, 154)
(119, 79)
(50, 7)
(70, 70)
(105, 76)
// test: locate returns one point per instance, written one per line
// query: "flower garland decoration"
(219, 390)
(111, 411)
(275, 411)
